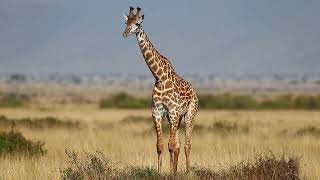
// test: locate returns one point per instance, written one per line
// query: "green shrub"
(13, 100)
(138, 173)
(244, 102)
(263, 167)
(123, 100)
(14, 143)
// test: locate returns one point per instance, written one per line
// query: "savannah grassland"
(221, 139)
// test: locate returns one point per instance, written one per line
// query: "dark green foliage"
(310, 130)
(38, 123)
(222, 101)
(123, 100)
(264, 167)
(14, 143)
(307, 102)
(227, 101)
(13, 100)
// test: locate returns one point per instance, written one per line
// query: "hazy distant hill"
(212, 83)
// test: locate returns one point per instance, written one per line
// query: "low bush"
(265, 166)
(307, 102)
(13, 100)
(123, 100)
(280, 102)
(227, 101)
(14, 143)
(138, 173)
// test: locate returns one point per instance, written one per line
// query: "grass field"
(221, 139)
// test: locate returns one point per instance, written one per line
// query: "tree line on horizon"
(222, 101)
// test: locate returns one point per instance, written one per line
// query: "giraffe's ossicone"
(172, 96)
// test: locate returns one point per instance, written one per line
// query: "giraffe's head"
(133, 22)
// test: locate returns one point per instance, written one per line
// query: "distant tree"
(18, 78)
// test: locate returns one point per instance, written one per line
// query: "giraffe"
(172, 96)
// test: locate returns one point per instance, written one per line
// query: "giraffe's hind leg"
(177, 148)
(157, 117)
(189, 120)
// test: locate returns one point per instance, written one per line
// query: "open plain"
(221, 138)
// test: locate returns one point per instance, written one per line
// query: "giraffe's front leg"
(174, 143)
(156, 115)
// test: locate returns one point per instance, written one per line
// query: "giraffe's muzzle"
(125, 34)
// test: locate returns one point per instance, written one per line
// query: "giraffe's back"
(174, 94)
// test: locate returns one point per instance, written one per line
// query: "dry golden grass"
(124, 143)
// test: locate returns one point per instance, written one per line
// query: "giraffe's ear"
(140, 21)
(125, 17)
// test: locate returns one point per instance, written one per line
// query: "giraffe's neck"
(159, 66)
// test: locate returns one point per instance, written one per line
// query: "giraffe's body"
(172, 96)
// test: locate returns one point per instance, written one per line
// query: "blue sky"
(209, 36)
